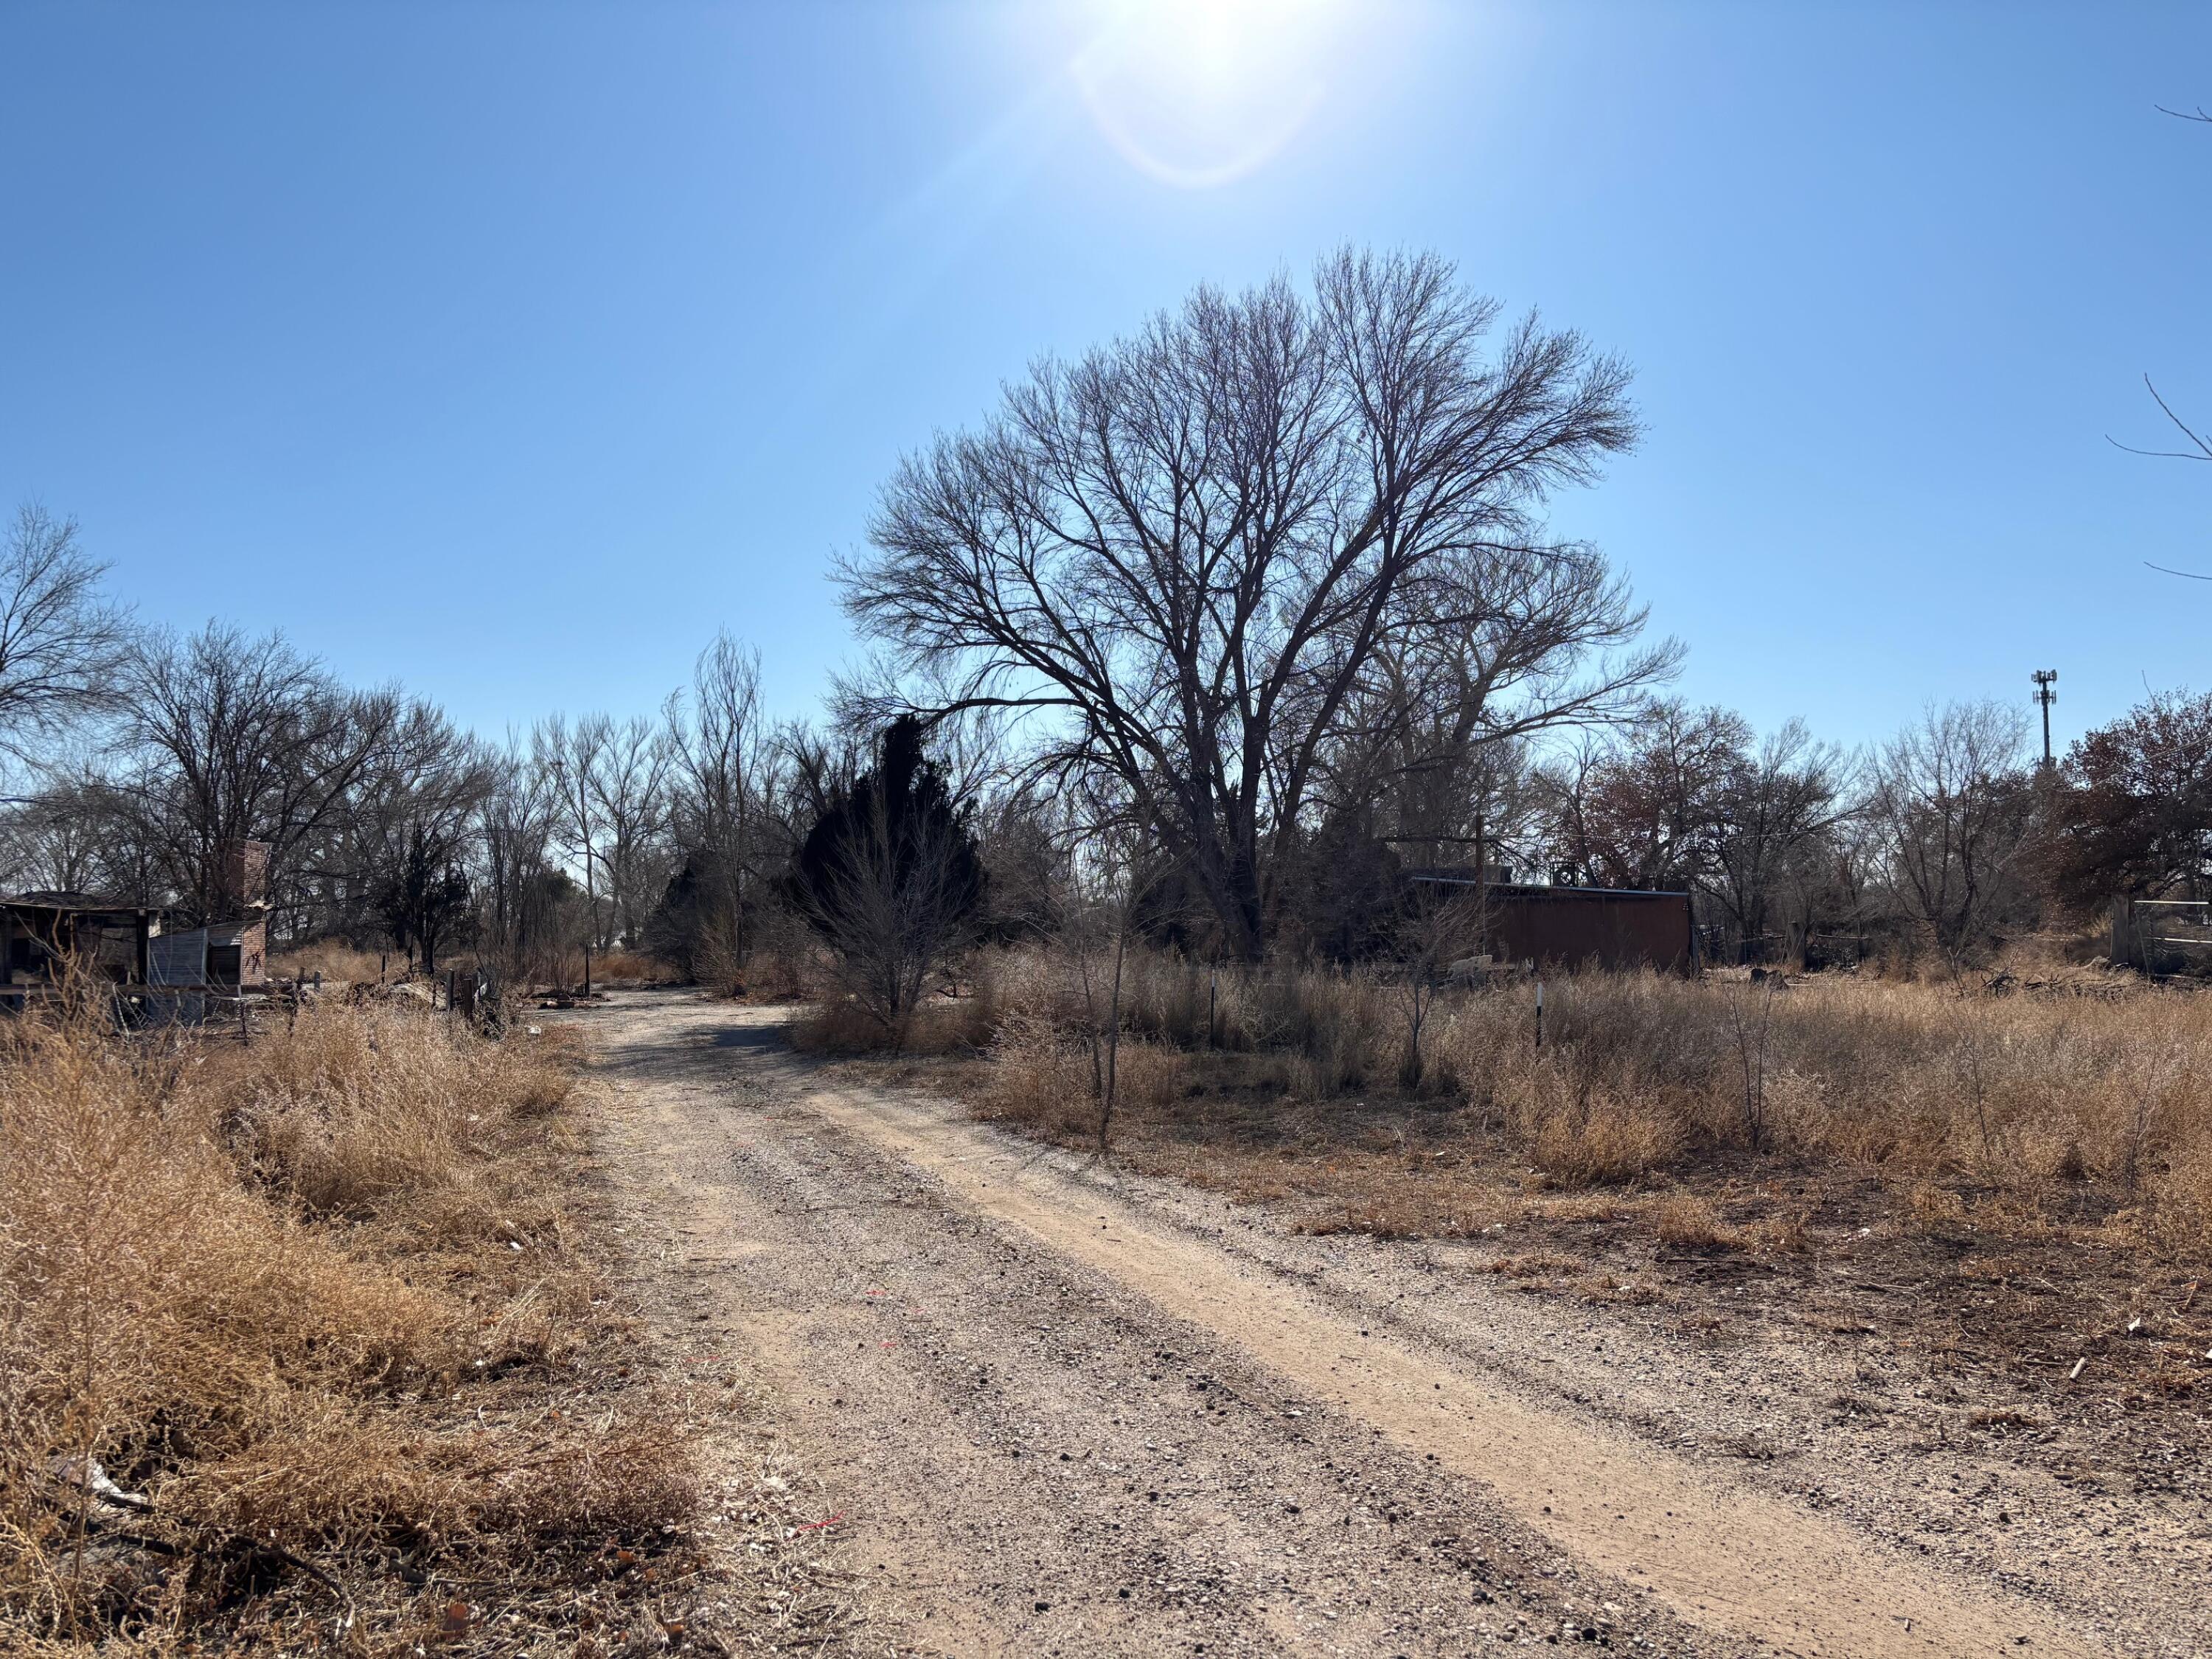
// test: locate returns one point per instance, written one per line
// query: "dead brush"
(1536, 1265)
(2035, 1095)
(1040, 1079)
(349, 1108)
(1788, 1232)
(2063, 1105)
(621, 967)
(1579, 1136)
(940, 1025)
(838, 1026)
(1683, 1221)
(256, 1290)
(338, 962)
(1045, 1079)
(1604, 1144)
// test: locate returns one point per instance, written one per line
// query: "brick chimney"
(246, 877)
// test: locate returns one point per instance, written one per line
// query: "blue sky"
(508, 350)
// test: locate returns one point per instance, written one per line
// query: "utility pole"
(2045, 679)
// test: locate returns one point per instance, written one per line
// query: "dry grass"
(287, 1295)
(836, 1025)
(336, 961)
(1051, 1081)
(621, 967)
(1991, 1176)
(1687, 1222)
(2088, 1100)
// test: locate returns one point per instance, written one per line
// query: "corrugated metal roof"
(77, 904)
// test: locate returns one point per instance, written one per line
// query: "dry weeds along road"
(1062, 1411)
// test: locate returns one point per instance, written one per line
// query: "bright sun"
(1199, 93)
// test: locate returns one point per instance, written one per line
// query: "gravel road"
(1064, 1411)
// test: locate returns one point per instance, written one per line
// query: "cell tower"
(2045, 679)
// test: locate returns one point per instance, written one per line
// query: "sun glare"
(1200, 93)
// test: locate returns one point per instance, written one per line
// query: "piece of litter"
(88, 1474)
(2076, 1371)
(2134, 1324)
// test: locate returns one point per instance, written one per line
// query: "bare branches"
(2200, 449)
(226, 737)
(61, 643)
(1184, 551)
(1952, 803)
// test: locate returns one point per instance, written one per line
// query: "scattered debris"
(88, 1474)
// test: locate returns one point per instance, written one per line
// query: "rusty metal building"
(1570, 927)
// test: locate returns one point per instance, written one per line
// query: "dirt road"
(1065, 1412)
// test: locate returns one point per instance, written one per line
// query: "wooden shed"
(43, 933)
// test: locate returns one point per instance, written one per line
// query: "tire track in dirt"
(1068, 1426)
(1725, 1559)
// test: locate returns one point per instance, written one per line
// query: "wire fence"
(2171, 936)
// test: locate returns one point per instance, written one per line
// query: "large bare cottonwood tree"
(1185, 549)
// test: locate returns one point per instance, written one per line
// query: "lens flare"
(1201, 93)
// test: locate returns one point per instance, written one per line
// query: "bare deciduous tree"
(1104, 868)
(58, 839)
(720, 787)
(1186, 550)
(1436, 924)
(1514, 643)
(61, 644)
(516, 826)
(568, 758)
(224, 738)
(415, 806)
(1644, 809)
(1952, 799)
(629, 782)
(1774, 800)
